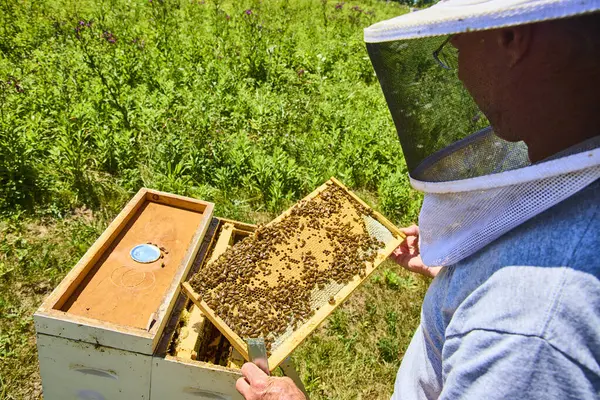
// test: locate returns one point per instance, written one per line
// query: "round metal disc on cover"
(145, 253)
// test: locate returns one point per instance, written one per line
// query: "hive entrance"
(274, 281)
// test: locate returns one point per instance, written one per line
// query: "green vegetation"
(248, 104)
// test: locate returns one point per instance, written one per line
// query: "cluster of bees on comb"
(265, 284)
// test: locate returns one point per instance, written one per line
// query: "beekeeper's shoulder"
(541, 280)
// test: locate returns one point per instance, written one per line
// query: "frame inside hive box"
(189, 335)
(285, 279)
(110, 299)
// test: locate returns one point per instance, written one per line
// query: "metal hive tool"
(283, 281)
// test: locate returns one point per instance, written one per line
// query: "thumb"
(412, 230)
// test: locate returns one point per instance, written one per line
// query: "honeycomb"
(272, 282)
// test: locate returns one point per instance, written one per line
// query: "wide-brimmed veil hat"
(457, 16)
(477, 186)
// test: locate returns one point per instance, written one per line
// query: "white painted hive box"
(98, 332)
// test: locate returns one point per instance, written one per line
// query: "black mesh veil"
(443, 135)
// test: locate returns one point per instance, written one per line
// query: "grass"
(248, 104)
(357, 352)
(34, 258)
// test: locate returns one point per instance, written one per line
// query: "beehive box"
(97, 331)
(284, 280)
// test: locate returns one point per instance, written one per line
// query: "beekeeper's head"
(491, 100)
(520, 76)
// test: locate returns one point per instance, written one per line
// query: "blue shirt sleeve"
(525, 333)
(418, 378)
(496, 365)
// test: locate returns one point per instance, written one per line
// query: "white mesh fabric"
(459, 218)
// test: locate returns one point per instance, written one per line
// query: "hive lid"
(283, 281)
(122, 290)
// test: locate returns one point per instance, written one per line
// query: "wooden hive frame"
(50, 319)
(228, 230)
(298, 336)
(175, 367)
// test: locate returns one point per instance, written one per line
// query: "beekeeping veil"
(477, 186)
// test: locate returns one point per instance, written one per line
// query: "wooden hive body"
(98, 333)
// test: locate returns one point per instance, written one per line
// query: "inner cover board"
(122, 291)
(285, 279)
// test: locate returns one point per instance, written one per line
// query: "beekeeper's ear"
(515, 42)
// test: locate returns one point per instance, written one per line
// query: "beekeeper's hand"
(256, 385)
(409, 256)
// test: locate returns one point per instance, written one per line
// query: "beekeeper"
(511, 213)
